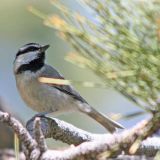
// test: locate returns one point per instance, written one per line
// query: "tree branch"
(63, 131)
(60, 130)
(96, 146)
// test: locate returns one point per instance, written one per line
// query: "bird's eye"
(27, 49)
(32, 49)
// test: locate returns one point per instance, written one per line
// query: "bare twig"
(39, 137)
(97, 146)
(60, 130)
(18, 128)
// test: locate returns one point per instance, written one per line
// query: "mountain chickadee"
(29, 65)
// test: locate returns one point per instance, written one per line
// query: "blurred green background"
(19, 26)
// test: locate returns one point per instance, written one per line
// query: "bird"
(29, 65)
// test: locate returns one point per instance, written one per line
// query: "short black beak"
(44, 47)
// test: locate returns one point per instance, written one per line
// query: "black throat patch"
(33, 65)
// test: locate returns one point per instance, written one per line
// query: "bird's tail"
(108, 123)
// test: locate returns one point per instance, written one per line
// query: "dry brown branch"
(95, 147)
(112, 144)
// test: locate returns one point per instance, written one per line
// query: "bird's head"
(30, 57)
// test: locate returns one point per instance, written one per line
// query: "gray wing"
(51, 72)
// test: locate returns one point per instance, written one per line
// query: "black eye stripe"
(26, 50)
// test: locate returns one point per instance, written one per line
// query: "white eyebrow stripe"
(25, 47)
